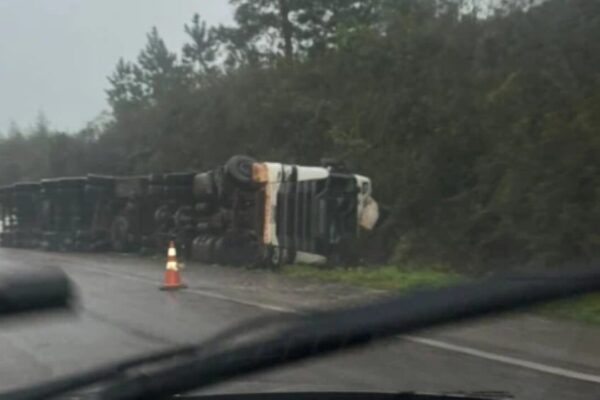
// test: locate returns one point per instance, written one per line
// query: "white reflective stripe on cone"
(172, 265)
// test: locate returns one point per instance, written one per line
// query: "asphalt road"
(122, 313)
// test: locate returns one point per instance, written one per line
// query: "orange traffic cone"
(172, 279)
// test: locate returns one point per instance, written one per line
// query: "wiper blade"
(315, 334)
(34, 290)
(328, 395)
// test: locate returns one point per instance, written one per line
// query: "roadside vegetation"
(404, 278)
(479, 127)
(585, 309)
(387, 277)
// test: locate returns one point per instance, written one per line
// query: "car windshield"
(200, 169)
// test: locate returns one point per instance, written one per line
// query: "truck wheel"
(203, 249)
(183, 216)
(239, 168)
(162, 215)
(203, 227)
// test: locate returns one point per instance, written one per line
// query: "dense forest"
(479, 127)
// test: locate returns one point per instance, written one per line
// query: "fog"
(55, 55)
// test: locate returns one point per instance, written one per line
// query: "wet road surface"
(121, 313)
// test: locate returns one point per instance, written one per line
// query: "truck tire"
(183, 216)
(162, 215)
(203, 249)
(237, 249)
(239, 169)
(203, 227)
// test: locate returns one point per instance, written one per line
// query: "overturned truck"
(244, 212)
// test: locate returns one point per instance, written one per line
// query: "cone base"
(173, 287)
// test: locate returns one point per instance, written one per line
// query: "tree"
(270, 29)
(158, 70)
(14, 131)
(201, 52)
(42, 125)
(126, 88)
(478, 128)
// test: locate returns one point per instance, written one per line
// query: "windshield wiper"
(315, 334)
(26, 291)
(356, 395)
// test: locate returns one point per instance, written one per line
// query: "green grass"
(386, 277)
(584, 309)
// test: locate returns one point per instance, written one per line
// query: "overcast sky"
(55, 55)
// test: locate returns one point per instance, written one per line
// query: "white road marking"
(201, 292)
(264, 306)
(517, 362)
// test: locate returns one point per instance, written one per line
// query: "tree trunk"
(286, 29)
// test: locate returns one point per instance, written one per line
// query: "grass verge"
(584, 309)
(387, 277)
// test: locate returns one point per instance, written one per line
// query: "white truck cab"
(308, 211)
